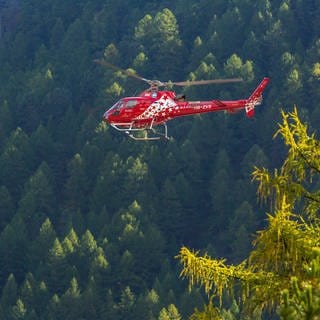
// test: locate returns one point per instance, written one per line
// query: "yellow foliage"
(285, 249)
(316, 70)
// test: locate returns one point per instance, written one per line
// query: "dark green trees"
(92, 219)
(160, 41)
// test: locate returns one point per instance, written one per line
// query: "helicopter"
(151, 110)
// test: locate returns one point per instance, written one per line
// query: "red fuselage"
(153, 108)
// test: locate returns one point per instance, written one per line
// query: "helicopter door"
(129, 108)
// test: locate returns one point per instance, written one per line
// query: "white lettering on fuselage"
(200, 106)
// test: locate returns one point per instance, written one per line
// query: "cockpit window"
(117, 107)
(131, 103)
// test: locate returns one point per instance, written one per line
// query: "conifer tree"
(159, 35)
(126, 304)
(14, 164)
(43, 297)
(76, 184)
(27, 290)
(9, 292)
(42, 244)
(281, 270)
(43, 145)
(38, 201)
(70, 244)
(170, 313)
(71, 301)
(13, 250)
(91, 304)
(58, 271)
(18, 310)
(54, 309)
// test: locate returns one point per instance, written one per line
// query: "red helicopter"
(154, 107)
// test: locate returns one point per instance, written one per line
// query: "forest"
(91, 222)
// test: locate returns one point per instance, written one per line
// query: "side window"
(131, 103)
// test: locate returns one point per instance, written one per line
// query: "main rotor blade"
(126, 72)
(201, 82)
(158, 83)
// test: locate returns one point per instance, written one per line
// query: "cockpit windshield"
(117, 107)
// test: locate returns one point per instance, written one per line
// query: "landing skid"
(150, 133)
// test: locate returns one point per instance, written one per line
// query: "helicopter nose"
(106, 116)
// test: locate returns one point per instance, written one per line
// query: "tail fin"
(256, 97)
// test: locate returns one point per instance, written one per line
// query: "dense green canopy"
(90, 222)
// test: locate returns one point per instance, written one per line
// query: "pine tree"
(27, 291)
(43, 145)
(169, 313)
(58, 270)
(13, 250)
(161, 42)
(91, 304)
(172, 213)
(54, 309)
(71, 301)
(76, 184)
(241, 226)
(42, 244)
(19, 310)
(70, 244)
(42, 298)
(14, 162)
(9, 292)
(99, 270)
(88, 253)
(38, 201)
(126, 304)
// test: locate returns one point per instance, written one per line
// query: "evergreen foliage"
(92, 220)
